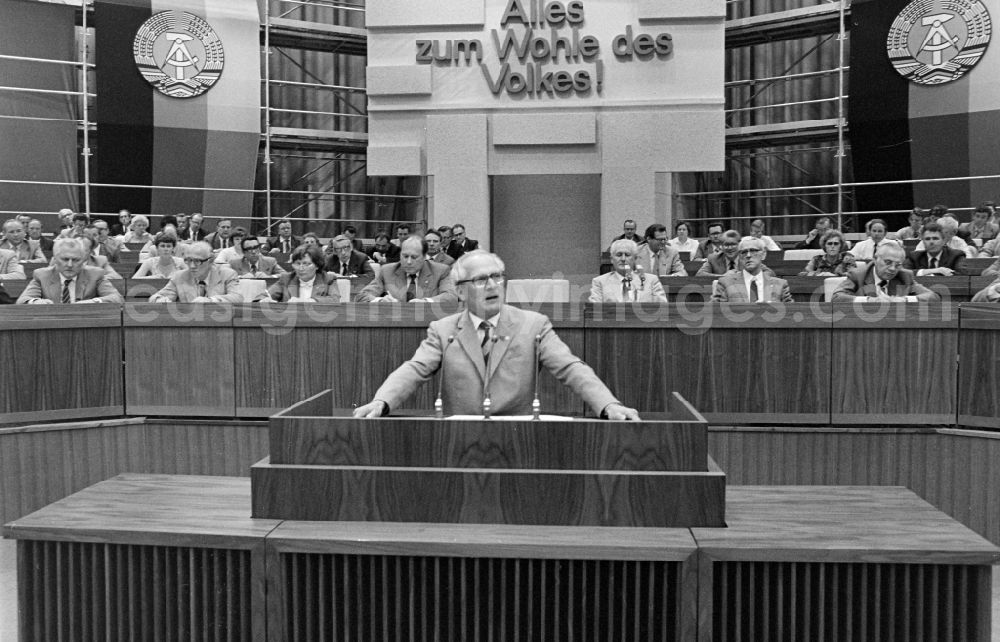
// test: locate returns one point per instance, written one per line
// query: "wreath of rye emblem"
(178, 53)
(937, 41)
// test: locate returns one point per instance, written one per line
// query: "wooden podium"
(326, 465)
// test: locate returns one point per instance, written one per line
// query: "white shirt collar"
(478, 321)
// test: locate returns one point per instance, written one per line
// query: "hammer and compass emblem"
(932, 42)
(178, 53)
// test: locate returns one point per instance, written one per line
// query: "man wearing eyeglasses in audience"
(656, 257)
(883, 280)
(488, 349)
(202, 281)
(345, 261)
(252, 265)
(751, 284)
(412, 279)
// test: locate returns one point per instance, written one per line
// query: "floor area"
(8, 594)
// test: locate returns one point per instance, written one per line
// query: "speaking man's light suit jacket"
(91, 283)
(608, 288)
(732, 288)
(433, 281)
(221, 285)
(511, 373)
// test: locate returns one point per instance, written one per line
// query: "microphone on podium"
(536, 404)
(438, 403)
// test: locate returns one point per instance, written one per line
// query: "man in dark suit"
(493, 354)
(435, 251)
(283, 242)
(5, 299)
(351, 232)
(220, 238)
(885, 279)
(751, 284)
(194, 231)
(726, 260)
(459, 244)
(69, 279)
(346, 261)
(713, 243)
(414, 278)
(936, 258)
(812, 239)
(34, 228)
(383, 251)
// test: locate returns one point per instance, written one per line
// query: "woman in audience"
(137, 230)
(235, 251)
(834, 261)
(307, 282)
(148, 250)
(163, 264)
(311, 240)
(684, 243)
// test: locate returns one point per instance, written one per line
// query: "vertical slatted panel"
(336, 597)
(845, 602)
(73, 591)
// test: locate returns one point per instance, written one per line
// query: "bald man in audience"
(751, 284)
(413, 278)
(202, 282)
(625, 284)
(69, 279)
(26, 250)
(656, 257)
(885, 279)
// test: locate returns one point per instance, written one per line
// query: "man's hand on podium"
(618, 412)
(371, 410)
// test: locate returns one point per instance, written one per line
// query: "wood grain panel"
(204, 447)
(729, 373)
(979, 368)
(577, 445)
(592, 498)
(179, 359)
(895, 364)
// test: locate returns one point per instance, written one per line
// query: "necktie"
(754, 295)
(934, 263)
(411, 290)
(253, 268)
(732, 264)
(656, 264)
(486, 345)
(626, 286)
(284, 247)
(65, 293)
(202, 288)
(881, 285)
(343, 268)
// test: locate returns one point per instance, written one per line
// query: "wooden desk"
(979, 369)
(60, 362)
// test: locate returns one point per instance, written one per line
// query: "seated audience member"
(459, 243)
(182, 222)
(95, 260)
(26, 250)
(65, 219)
(202, 281)
(383, 251)
(625, 284)
(834, 261)
(351, 233)
(435, 251)
(137, 231)
(78, 223)
(195, 231)
(164, 263)
(283, 242)
(310, 239)
(10, 267)
(814, 238)
(684, 243)
(445, 232)
(510, 358)
(949, 228)
(884, 279)
(221, 238)
(414, 278)
(251, 265)
(34, 228)
(990, 249)
(402, 231)
(70, 279)
(757, 232)
(308, 282)
(713, 243)
(980, 227)
(628, 232)
(171, 220)
(106, 245)
(912, 231)
(865, 250)
(726, 260)
(345, 260)
(932, 258)
(235, 249)
(656, 257)
(149, 250)
(993, 269)
(122, 226)
(751, 284)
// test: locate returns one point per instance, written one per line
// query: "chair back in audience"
(538, 291)
(830, 284)
(800, 255)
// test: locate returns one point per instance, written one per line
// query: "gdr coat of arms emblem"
(936, 41)
(178, 53)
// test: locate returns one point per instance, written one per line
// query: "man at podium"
(491, 351)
